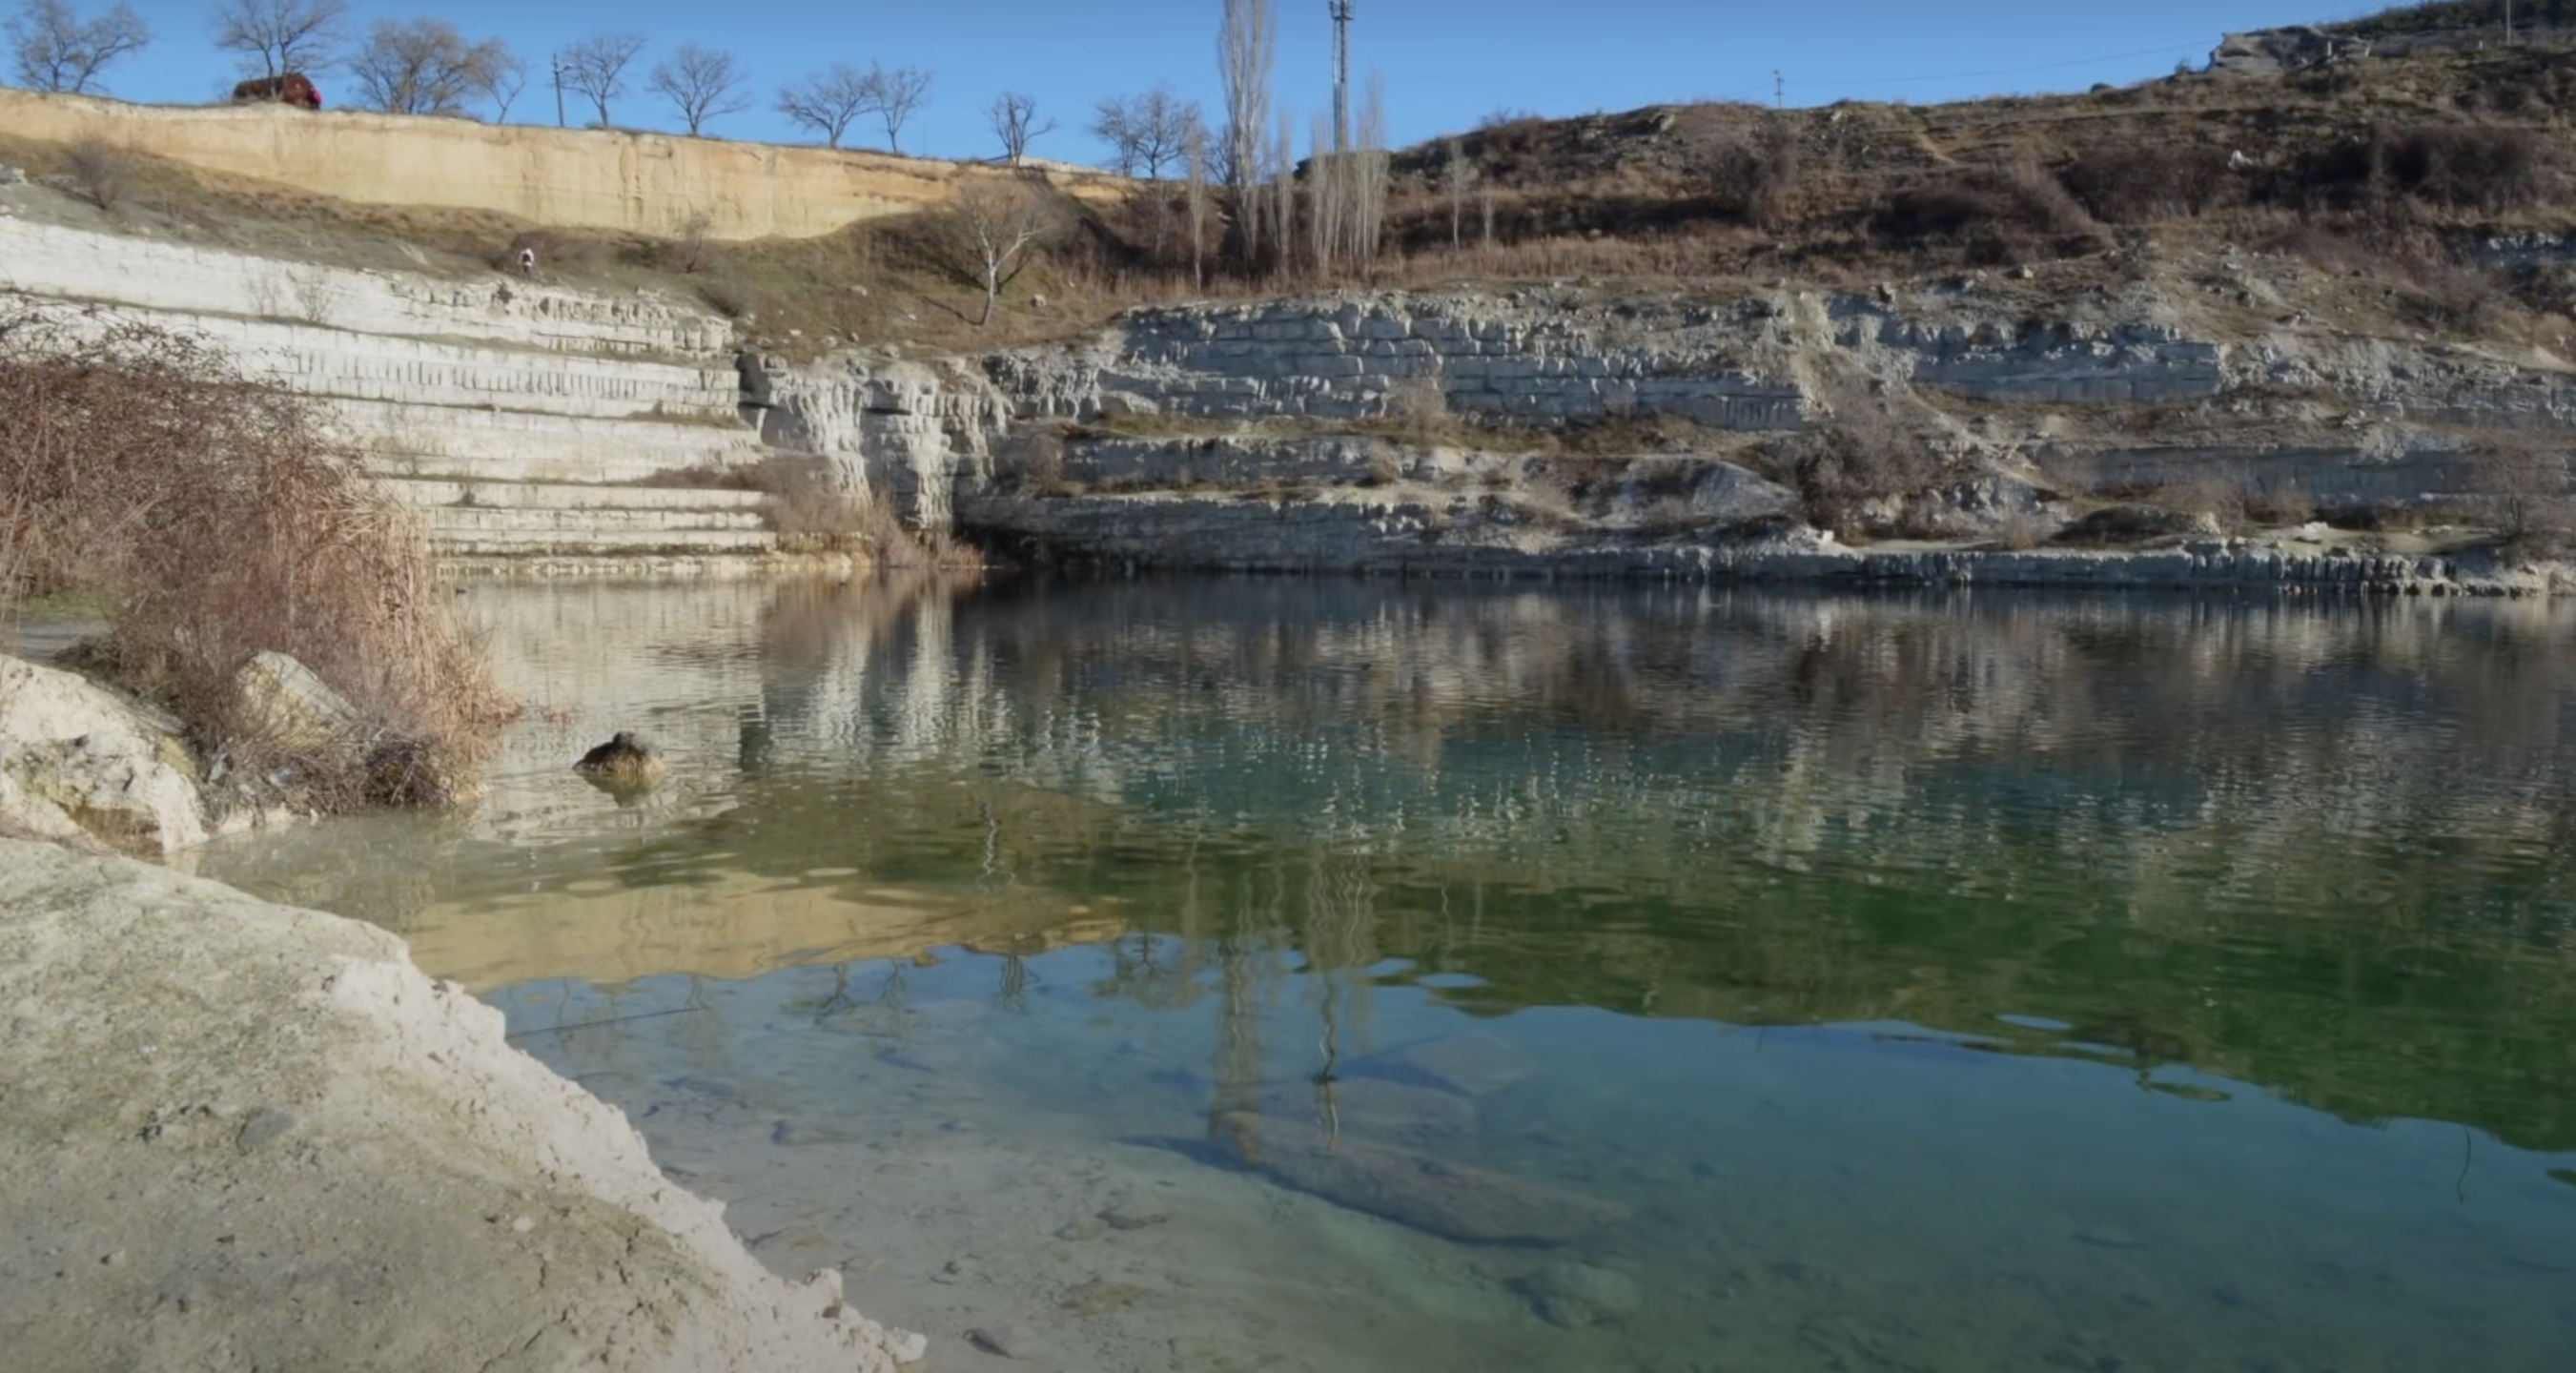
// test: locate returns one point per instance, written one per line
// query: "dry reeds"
(140, 468)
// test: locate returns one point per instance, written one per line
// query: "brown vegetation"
(139, 469)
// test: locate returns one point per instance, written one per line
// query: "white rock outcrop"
(84, 766)
(238, 1135)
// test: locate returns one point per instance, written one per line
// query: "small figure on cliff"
(527, 262)
(624, 761)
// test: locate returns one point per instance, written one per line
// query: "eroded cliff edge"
(238, 1135)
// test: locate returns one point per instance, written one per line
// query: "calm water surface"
(1308, 975)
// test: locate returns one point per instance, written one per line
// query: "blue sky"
(1446, 63)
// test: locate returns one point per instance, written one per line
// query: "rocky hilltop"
(2307, 316)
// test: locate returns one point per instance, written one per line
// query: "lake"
(1238, 974)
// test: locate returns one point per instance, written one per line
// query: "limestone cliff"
(644, 183)
(1427, 432)
(524, 419)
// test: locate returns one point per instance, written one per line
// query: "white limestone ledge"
(144, 273)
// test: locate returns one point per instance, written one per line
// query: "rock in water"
(1448, 1199)
(1380, 1108)
(1468, 1064)
(624, 761)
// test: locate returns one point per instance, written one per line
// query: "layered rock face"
(521, 418)
(1412, 432)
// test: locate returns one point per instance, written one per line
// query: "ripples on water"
(1176, 971)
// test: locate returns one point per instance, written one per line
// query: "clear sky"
(1446, 63)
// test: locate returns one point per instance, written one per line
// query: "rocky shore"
(235, 1135)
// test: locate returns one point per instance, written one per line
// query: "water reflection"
(1939, 981)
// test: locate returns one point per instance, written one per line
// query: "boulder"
(2272, 52)
(285, 704)
(83, 766)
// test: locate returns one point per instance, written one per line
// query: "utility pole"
(1341, 75)
(557, 58)
(1779, 91)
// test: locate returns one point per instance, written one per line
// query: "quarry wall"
(523, 420)
(606, 179)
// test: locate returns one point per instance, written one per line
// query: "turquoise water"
(1284, 974)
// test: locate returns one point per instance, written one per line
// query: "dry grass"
(139, 468)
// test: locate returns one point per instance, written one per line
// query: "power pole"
(1779, 91)
(559, 105)
(1341, 75)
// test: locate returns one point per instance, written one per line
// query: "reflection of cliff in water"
(2308, 846)
(2315, 847)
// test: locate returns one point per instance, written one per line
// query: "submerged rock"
(1468, 1064)
(1453, 1200)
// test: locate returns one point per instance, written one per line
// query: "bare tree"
(275, 37)
(1246, 45)
(1148, 132)
(1194, 160)
(826, 102)
(1455, 173)
(702, 84)
(894, 97)
(500, 82)
(55, 50)
(423, 66)
(596, 67)
(992, 231)
(1014, 119)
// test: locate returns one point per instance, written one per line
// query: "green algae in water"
(1975, 983)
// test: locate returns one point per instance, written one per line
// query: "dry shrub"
(1042, 464)
(693, 249)
(2218, 496)
(2521, 490)
(140, 468)
(2149, 182)
(1997, 212)
(1867, 473)
(2489, 167)
(100, 171)
(2470, 166)
(813, 512)
(1755, 177)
